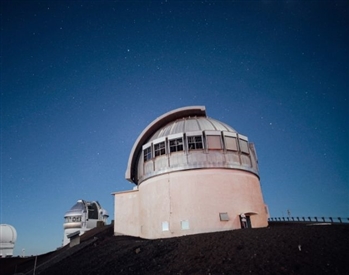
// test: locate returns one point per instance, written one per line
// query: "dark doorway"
(245, 221)
(248, 220)
(93, 211)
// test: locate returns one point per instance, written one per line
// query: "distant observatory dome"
(8, 237)
(83, 216)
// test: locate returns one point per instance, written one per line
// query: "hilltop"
(277, 249)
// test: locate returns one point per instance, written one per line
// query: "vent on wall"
(224, 216)
(185, 225)
(165, 226)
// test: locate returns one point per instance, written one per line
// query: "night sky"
(80, 80)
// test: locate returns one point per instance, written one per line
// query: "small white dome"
(8, 237)
(8, 234)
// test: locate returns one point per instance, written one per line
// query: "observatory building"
(192, 174)
(8, 237)
(83, 216)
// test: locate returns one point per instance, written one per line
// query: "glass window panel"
(176, 145)
(159, 149)
(195, 142)
(147, 154)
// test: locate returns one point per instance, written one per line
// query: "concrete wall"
(126, 217)
(74, 241)
(192, 199)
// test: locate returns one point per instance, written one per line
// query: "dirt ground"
(278, 249)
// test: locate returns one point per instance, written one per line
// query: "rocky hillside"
(278, 249)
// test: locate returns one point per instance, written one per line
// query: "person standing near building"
(243, 220)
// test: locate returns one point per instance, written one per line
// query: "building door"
(245, 221)
(248, 221)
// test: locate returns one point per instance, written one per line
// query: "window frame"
(147, 147)
(195, 135)
(159, 142)
(243, 140)
(226, 137)
(177, 145)
(159, 149)
(209, 136)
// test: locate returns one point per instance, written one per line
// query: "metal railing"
(310, 219)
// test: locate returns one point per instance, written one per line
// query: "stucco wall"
(195, 197)
(126, 218)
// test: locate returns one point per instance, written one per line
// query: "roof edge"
(154, 126)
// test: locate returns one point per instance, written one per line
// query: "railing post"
(309, 219)
(340, 220)
(315, 219)
(323, 218)
(331, 219)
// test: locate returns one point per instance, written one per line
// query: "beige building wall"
(190, 202)
(126, 209)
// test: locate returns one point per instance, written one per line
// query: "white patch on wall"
(165, 226)
(185, 225)
(224, 216)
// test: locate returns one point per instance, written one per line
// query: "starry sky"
(80, 80)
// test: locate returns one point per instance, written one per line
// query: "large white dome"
(196, 173)
(187, 139)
